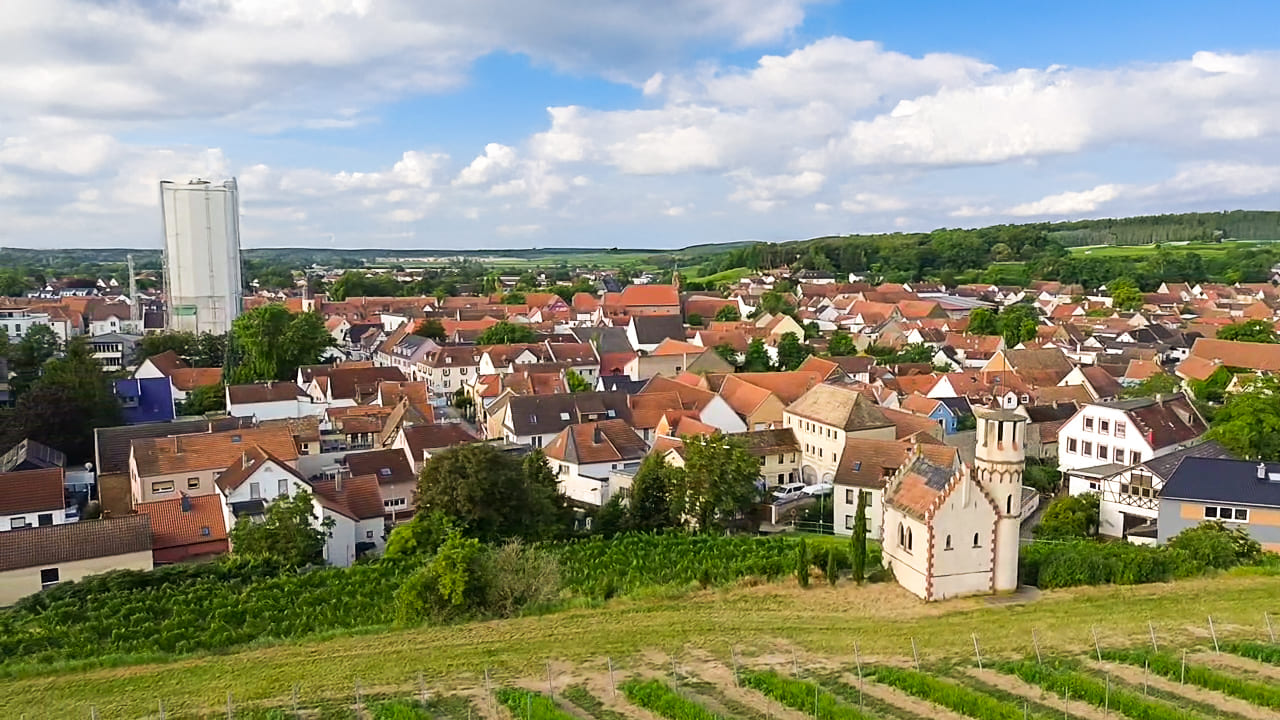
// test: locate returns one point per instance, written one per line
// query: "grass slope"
(759, 621)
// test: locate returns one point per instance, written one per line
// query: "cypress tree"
(859, 540)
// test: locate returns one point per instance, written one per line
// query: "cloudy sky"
(654, 123)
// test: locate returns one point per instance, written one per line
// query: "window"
(1104, 427)
(193, 483)
(948, 545)
(204, 531)
(848, 496)
(162, 486)
(446, 372)
(1119, 455)
(1135, 457)
(48, 576)
(902, 536)
(17, 523)
(1226, 514)
(977, 540)
(1104, 452)
(1086, 447)
(282, 487)
(848, 522)
(255, 491)
(1071, 445)
(1120, 428)
(1139, 485)
(1008, 505)
(908, 539)
(819, 452)
(1088, 424)
(1093, 485)
(44, 519)
(368, 534)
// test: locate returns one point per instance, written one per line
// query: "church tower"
(999, 461)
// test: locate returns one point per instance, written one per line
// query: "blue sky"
(478, 123)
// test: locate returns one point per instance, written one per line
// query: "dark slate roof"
(1050, 413)
(1165, 465)
(549, 414)
(1233, 482)
(388, 466)
(768, 442)
(653, 329)
(54, 544)
(31, 455)
(959, 406)
(622, 383)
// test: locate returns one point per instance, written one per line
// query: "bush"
(1069, 517)
(518, 576)
(1215, 545)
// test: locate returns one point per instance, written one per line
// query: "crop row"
(529, 705)
(1172, 667)
(800, 695)
(592, 705)
(1262, 652)
(656, 696)
(1076, 685)
(626, 563)
(950, 695)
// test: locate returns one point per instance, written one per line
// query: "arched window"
(908, 538)
(1008, 505)
(975, 540)
(948, 547)
(902, 536)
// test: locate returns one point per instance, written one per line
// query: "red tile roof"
(28, 491)
(184, 521)
(359, 498)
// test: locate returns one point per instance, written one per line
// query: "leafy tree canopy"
(506, 333)
(62, 407)
(1258, 331)
(1249, 423)
(729, 313)
(492, 495)
(290, 532)
(792, 352)
(716, 488)
(273, 343)
(1069, 517)
(757, 357)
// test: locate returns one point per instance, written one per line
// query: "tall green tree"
(792, 352)
(841, 344)
(650, 504)
(1069, 517)
(858, 541)
(430, 328)
(1158, 384)
(181, 342)
(290, 532)
(492, 495)
(70, 399)
(984, 321)
(273, 343)
(717, 485)
(576, 382)
(729, 313)
(727, 353)
(1256, 331)
(756, 358)
(204, 399)
(1248, 424)
(28, 356)
(506, 333)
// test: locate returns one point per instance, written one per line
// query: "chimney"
(1262, 471)
(597, 437)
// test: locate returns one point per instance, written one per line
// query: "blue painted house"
(145, 400)
(950, 412)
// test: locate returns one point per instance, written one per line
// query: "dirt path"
(598, 684)
(1134, 676)
(1036, 694)
(1227, 661)
(897, 698)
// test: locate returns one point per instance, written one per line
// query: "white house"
(584, 455)
(16, 322)
(271, 401)
(32, 498)
(1111, 435)
(823, 419)
(865, 468)
(951, 529)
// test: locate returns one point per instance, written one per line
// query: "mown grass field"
(1142, 251)
(756, 623)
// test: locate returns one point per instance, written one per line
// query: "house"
(948, 411)
(36, 558)
(1102, 438)
(145, 400)
(535, 419)
(951, 529)
(31, 455)
(824, 418)
(160, 467)
(449, 368)
(183, 378)
(1207, 355)
(419, 442)
(1239, 493)
(355, 506)
(646, 332)
(346, 385)
(647, 299)
(778, 453)
(663, 396)
(1128, 499)
(395, 476)
(114, 351)
(1100, 383)
(672, 357)
(1034, 367)
(865, 468)
(186, 528)
(271, 401)
(254, 478)
(33, 498)
(584, 454)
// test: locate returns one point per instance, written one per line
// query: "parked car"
(817, 489)
(789, 491)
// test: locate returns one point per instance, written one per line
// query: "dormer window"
(236, 438)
